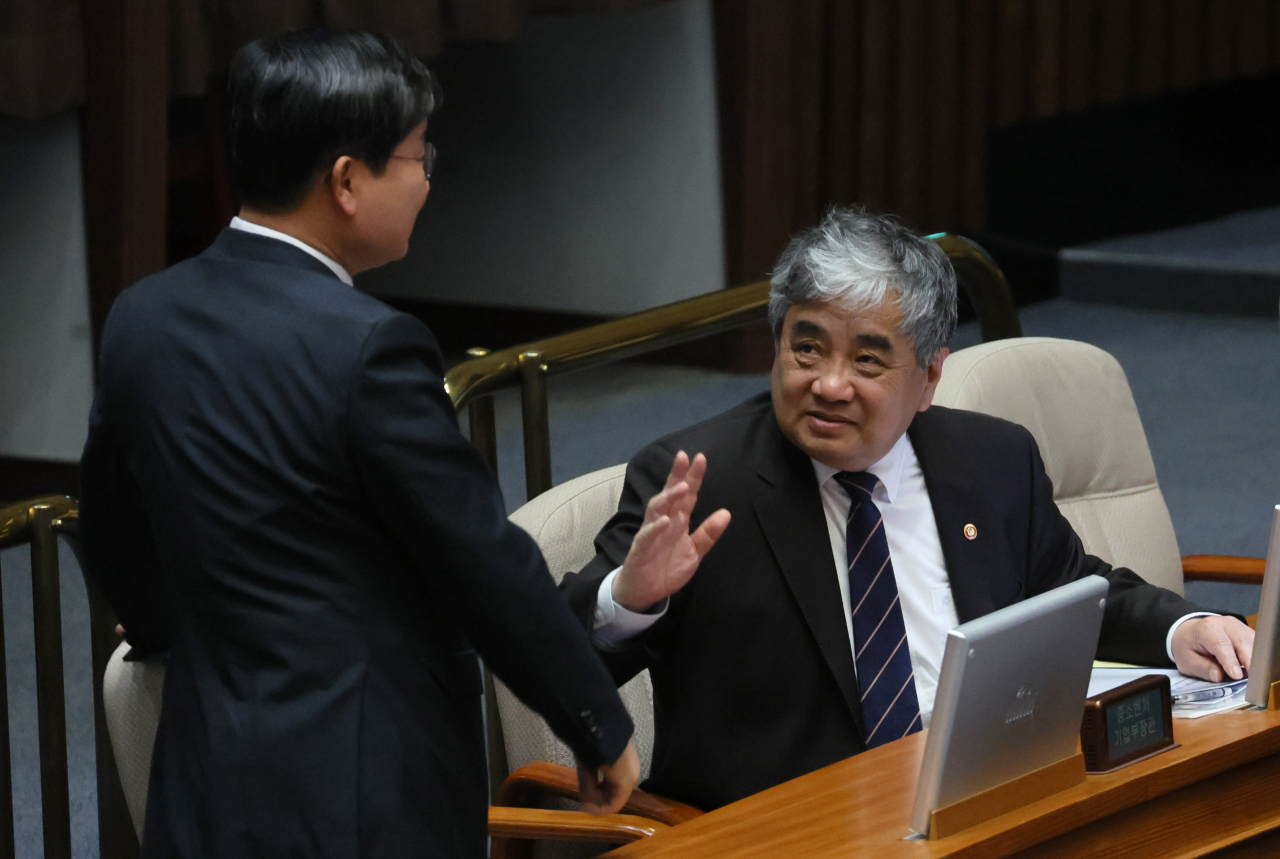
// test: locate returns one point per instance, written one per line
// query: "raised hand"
(664, 555)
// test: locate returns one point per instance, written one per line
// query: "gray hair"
(858, 260)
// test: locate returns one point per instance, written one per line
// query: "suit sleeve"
(646, 475)
(436, 497)
(118, 551)
(1138, 614)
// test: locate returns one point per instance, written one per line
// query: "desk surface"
(1216, 789)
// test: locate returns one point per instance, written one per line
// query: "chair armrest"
(524, 786)
(1223, 568)
(540, 823)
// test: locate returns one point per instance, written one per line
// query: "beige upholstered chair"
(131, 698)
(564, 521)
(1075, 400)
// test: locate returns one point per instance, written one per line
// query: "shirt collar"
(888, 468)
(239, 223)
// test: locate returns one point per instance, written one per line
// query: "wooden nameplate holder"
(1273, 700)
(1014, 794)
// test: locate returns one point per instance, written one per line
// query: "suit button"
(589, 719)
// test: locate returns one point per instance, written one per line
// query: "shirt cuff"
(1168, 639)
(612, 625)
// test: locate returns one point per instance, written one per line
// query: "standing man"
(275, 492)
(865, 525)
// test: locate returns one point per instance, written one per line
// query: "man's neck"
(300, 227)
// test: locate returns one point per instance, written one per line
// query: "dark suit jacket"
(275, 490)
(753, 677)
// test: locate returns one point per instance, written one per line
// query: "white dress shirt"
(239, 223)
(915, 550)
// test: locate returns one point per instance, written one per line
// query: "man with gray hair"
(816, 627)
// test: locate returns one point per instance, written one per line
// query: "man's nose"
(834, 385)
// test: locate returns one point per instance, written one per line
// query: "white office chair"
(1075, 400)
(564, 521)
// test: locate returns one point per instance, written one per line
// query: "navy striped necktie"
(889, 706)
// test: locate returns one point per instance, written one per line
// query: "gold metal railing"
(38, 523)
(472, 383)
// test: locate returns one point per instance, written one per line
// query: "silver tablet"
(1264, 665)
(1010, 695)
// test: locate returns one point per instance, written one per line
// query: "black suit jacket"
(753, 677)
(275, 490)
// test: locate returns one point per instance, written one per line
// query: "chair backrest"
(564, 521)
(131, 694)
(1075, 400)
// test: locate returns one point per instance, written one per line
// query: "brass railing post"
(484, 430)
(50, 703)
(537, 428)
(117, 838)
(7, 849)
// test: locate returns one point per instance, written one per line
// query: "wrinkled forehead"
(837, 317)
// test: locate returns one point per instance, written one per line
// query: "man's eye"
(806, 349)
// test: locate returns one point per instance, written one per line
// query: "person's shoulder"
(974, 435)
(729, 428)
(970, 422)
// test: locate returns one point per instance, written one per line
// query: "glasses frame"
(427, 159)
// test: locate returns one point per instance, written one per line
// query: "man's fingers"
(590, 791)
(1242, 638)
(665, 501)
(1224, 650)
(697, 470)
(617, 781)
(1200, 666)
(709, 531)
(679, 468)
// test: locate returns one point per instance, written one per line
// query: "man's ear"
(933, 372)
(341, 183)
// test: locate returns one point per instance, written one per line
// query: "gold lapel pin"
(970, 532)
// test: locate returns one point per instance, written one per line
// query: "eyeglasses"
(427, 159)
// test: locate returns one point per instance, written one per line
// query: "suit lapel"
(791, 516)
(974, 565)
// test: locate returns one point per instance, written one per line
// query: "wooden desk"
(1221, 788)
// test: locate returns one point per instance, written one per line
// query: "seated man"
(865, 524)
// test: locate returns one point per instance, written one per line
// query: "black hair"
(300, 100)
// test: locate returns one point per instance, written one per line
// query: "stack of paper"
(1109, 675)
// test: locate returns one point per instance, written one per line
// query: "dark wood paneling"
(874, 121)
(890, 103)
(975, 56)
(1013, 25)
(843, 101)
(1187, 24)
(1079, 38)
(123, 145)
(1150, 46)
(942, 159)
(1219, 38)
(1251, 37)
(1114, 75)
(910, 94)
(1046, 58)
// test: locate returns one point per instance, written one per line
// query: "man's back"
(331, 548)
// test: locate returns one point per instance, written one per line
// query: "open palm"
(664, 555)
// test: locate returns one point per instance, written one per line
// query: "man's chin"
(838, 450)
